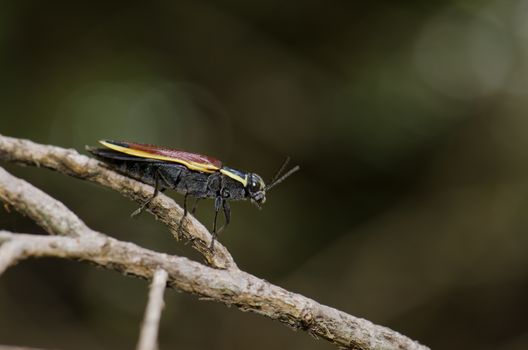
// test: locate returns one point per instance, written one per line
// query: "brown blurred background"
(409, 120)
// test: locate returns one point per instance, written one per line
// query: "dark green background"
(409, 121)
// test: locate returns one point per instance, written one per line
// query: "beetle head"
(257, 189)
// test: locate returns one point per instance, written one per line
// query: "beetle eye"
(254, 185)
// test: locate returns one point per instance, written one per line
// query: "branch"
(149, 330)
(70, 162)
(229, 286)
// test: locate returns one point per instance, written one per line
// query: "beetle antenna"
(281, 169)
(283, 177)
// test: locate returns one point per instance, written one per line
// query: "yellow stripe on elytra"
(242, 180)
(207, 168)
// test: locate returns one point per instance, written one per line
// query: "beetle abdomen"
(170, 175)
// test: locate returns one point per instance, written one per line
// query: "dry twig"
(149, 331)
(222, 282)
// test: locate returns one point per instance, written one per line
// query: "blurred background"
(408, 119)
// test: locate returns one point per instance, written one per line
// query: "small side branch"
(49, 213)
(149, 330)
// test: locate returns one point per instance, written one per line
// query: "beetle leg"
(180, 225)
(218, 204)
(185, 205)
(195, 205)
(227, 215)
(185, 211)
(156, 191)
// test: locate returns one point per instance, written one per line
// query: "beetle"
(190, 174)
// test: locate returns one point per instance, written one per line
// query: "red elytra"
(172, 153)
